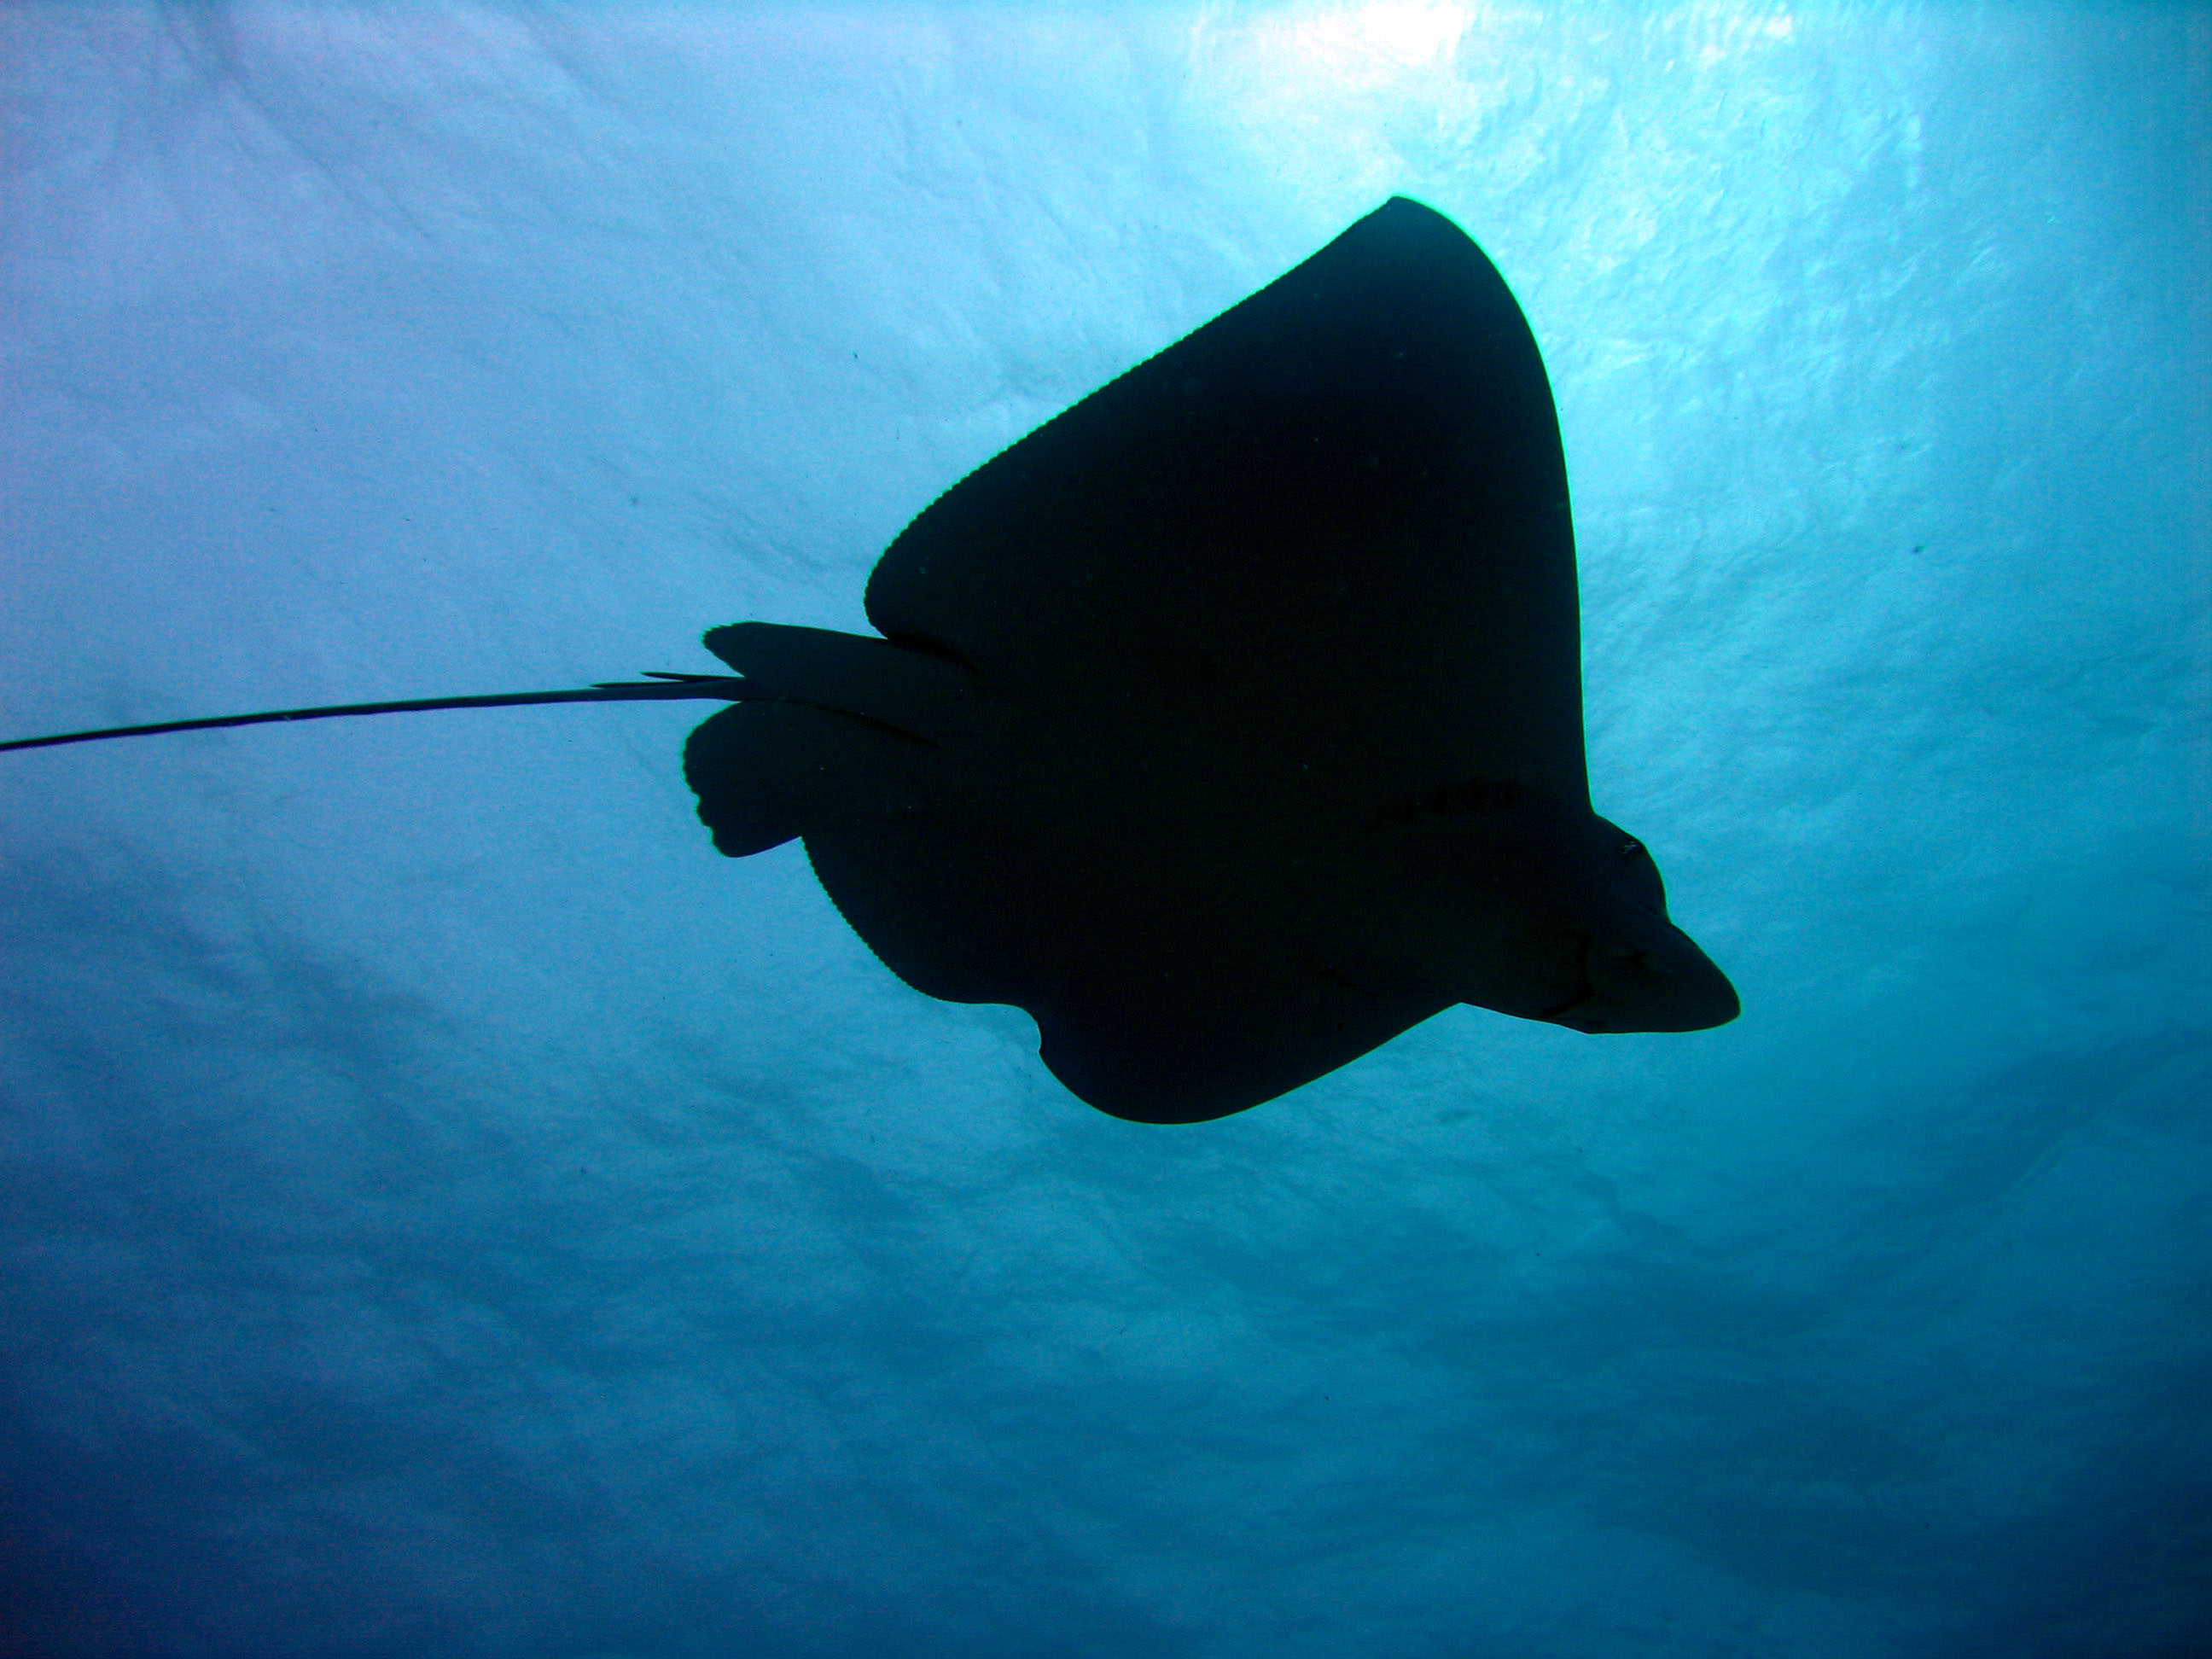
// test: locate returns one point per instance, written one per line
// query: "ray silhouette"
(1230, 722)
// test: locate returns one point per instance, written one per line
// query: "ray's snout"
(1650, 978)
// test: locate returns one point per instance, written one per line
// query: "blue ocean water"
(449, 1212)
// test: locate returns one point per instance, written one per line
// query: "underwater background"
(451, 1213)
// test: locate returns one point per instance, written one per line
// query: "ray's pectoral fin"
(1216, 1050)
(840, 736)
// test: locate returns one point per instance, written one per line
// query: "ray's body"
(1230, 722)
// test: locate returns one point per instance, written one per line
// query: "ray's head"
(1573, 931)
(1638, 972)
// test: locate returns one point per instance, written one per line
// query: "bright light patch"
(1378, 37)
(1741, 35)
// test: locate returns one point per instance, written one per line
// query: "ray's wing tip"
(1408, 214)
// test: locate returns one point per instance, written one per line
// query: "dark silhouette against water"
(1230, 722)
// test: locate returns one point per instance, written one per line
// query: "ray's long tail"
(656, 687)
